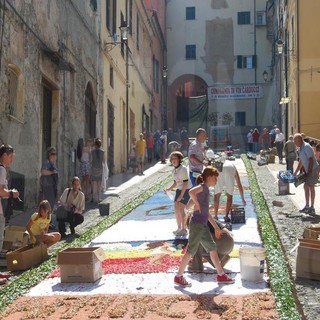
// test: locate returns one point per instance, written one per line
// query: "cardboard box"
(271, 158)
(26, 257)
(308, 260)
(14, 237)
(81, 264)
(311, 233)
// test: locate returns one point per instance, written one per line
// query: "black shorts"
(185, 198)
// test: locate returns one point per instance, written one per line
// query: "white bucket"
(252, 263)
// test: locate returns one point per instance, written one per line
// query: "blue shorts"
(185, 198)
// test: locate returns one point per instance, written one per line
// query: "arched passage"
(180, 91)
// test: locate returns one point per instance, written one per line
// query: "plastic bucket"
(252, 263)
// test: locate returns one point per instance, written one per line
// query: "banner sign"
(224, 92)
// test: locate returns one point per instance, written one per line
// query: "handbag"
(61, 213)
(300, 178)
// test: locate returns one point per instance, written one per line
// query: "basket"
(238, 215)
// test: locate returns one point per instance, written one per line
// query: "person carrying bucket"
(198, 229)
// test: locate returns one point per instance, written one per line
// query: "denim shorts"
(185, 197)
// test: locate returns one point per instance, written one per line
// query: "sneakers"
(311, 211)
(305, 209)
(176, 231)
(182, 233)
(224, 279)
(181, 281)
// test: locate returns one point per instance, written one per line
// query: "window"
(292, 33)
(138, 30)
(111, 77)
(247, 62)
(93, 5)
(15, 92)
(122, 41)
(190, 13)
(130, 17)
(261, 18)
(155, 75)
(191, 52)
(244, 17)
(111, 16)
(240, 119)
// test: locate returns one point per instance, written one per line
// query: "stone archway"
(179, 92)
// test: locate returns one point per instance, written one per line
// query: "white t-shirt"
(180, 175)
(3, 182)
(226, 179)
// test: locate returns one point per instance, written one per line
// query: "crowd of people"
(155, 147)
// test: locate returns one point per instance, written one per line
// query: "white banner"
(245, 91)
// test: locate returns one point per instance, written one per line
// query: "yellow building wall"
(116, 95)
(309, 67)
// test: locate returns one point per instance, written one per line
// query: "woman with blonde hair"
(38, 226)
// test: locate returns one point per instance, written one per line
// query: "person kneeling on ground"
(224, 245)
(73, 200)
(38, 226)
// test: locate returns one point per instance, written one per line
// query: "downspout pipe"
(298, 63)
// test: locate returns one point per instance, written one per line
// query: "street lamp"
(265, 75)
(124, 31)
(164, 71)
(165, 97)
(108, 46)
(279, 46)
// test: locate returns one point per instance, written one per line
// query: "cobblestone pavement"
(290, 224)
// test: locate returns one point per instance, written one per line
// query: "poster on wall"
(225, 92)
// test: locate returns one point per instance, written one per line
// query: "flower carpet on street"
(141, 259)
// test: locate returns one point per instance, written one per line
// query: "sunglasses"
(6, 148)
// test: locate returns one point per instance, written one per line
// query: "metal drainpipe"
(298, 66)
(255, 69)
(127, 91)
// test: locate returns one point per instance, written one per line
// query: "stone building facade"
(218, 48)
(51, 84)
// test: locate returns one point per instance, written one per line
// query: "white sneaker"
(182, 233)
(176, 231)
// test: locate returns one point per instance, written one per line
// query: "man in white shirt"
(279, 141)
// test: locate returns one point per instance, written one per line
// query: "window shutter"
(254, 61)
(239, 62)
